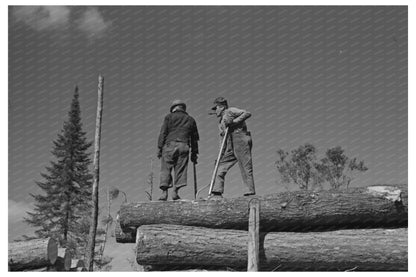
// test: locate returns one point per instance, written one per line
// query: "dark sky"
(325, 75)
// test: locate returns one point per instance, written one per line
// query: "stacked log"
(41, 255)
(300, 211)
(32, 254)
(180, 247)
(302, 230)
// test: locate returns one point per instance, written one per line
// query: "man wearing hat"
(178, 135)
(237, 148)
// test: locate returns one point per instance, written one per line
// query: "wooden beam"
(253, 236)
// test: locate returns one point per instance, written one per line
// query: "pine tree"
(63, 210)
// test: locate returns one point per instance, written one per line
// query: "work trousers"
(238, 150)
(175, 156)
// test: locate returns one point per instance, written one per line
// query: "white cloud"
(43, 18)
(93, 24)
(17, 227)
(17, 210)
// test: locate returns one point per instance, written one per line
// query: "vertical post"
(96, 177)
(253, 235)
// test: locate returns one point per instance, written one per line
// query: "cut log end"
(388, 192)
(52, 251)
(67, 260)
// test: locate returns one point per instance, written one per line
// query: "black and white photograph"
(219, 138)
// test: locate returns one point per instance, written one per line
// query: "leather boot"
(175, 195)
(215, 196)
(164, 195)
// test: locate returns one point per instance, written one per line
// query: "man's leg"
(227, 161)
(242, 151)
(181, 168)
(165, 172)
(223, 167)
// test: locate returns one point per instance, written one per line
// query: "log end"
(52, 250)
(67, 260)
(388, 192)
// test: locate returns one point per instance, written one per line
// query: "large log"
(366, 207)
(32, 254)
(174, 247)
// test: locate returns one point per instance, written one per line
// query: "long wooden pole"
(94, 223)
(217, 162)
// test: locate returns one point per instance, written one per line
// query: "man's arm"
(194, 138)
(235, 116)
(194, 142)
(163, 134)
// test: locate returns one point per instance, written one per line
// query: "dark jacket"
(179, 126)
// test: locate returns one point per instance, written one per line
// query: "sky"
(330, 76)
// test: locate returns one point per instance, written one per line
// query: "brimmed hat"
(177, 102)
(219, 101)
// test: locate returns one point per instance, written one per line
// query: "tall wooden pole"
(253, 236)
(151, 178)
(96, 177)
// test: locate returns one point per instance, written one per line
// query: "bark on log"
(299, 211)
(32, 254)
(179, 247)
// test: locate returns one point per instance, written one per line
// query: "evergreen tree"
(63, 211)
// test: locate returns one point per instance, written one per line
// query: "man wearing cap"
(178, 135)
(237, 148)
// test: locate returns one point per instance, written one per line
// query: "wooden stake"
(96, 173)
(253, 235)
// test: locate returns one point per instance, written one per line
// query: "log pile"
(40, 255)
(361, 229)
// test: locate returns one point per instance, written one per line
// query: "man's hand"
(159, 154)
(228, 122)
(194, 158)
